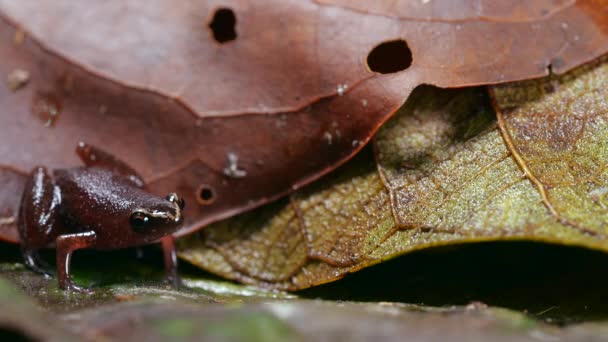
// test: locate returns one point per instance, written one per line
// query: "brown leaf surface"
(288, 54)
(251, 119)
(446, 172)
(11, 183)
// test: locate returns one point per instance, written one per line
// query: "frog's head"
(158, 219)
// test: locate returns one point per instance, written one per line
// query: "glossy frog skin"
(102, 205)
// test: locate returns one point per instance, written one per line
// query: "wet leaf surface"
(445, 172)
(183, 85)
(21, 319)
(321, 321)
(122, 307)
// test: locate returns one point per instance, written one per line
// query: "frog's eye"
(139, 220)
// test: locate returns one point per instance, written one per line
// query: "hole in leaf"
(205, 194)
(223, 25)
(390, 57)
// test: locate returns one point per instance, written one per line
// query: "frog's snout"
(173, 197)
(179, 218)
(179, 204)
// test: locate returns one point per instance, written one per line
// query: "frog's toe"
(33, 262)
(174, 280)
(72, 287)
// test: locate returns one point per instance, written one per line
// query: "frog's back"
(94, 197)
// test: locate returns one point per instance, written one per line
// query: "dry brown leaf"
(233, 124)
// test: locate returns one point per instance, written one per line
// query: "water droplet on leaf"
(47, 108)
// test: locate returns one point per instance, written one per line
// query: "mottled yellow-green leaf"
(448, 168)
(557, 131)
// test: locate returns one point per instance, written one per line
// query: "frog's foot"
(173, 280)
(69, 286)
(170, 256)
(32, 261)
(139, 253)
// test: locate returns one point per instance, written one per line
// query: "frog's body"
(102, 205)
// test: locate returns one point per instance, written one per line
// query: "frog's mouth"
(178, 204)
(176, 218)
(165, 215)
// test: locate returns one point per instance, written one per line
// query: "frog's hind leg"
(38, 217)
(32, 260)
(93, 156)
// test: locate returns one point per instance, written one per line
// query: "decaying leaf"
(22, 320)
(152, 313)
(128, 300)
(446, 171)
(236, 103)
(556, 132)
(285, 55)
(11, 183)
(233, 104)
(301, 320)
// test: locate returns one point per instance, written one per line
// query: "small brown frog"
(102, 205)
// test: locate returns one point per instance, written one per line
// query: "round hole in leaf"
(205, 194)
(223, 25)
(390, 57)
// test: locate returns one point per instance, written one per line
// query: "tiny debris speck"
(19, 37)
(17, 79)
(328, 137)
(232, 169)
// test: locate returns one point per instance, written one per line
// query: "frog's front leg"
(38, 222)
(170, 256)
(66, 245)
(94, 156)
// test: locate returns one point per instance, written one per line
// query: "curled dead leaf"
(237, 105)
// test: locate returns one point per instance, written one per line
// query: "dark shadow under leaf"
(554, 283)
